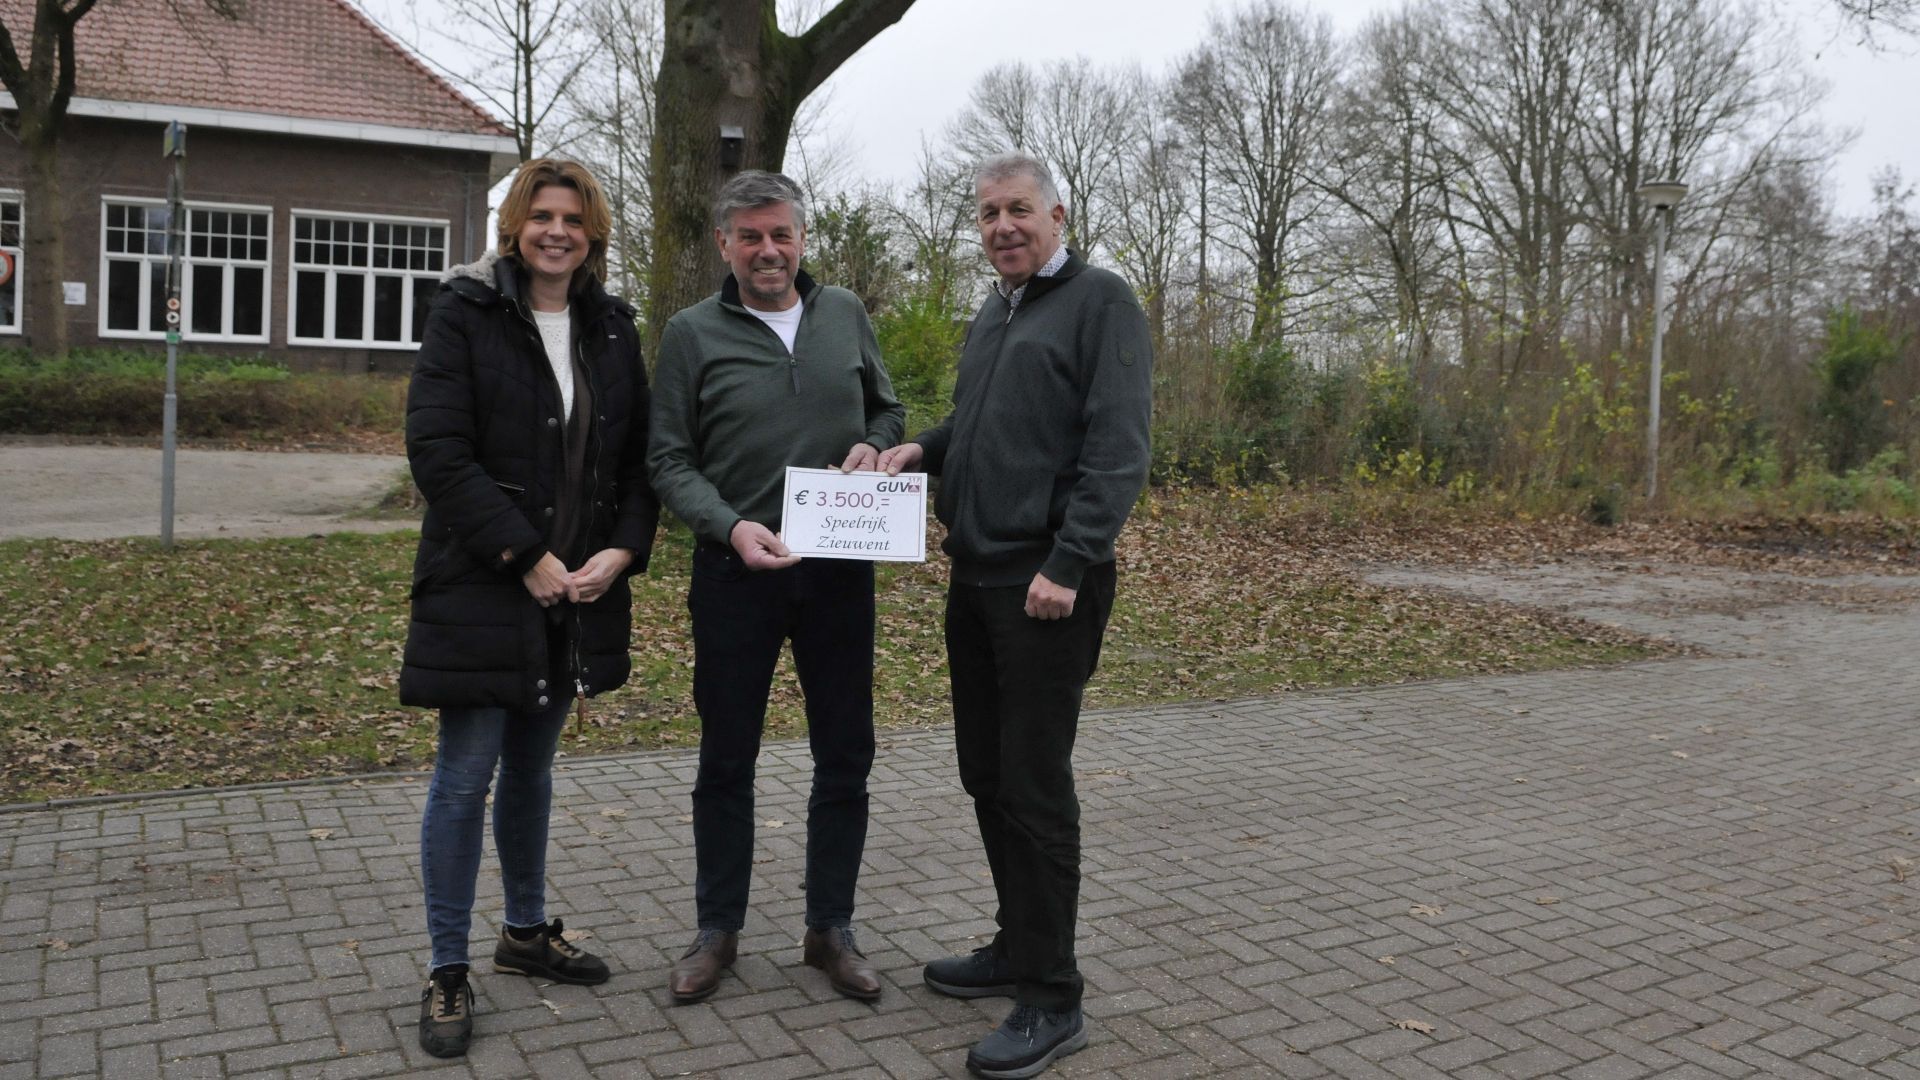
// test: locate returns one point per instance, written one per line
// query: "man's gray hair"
(752, 189)
(1017, 163)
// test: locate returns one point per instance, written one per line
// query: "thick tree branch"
(837, 36)
(11, 72)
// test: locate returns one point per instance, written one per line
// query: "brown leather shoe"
(697, 973)
(834, 952)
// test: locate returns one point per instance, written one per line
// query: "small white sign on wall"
(75, 292)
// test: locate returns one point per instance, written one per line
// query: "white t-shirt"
(556, 329)
(785, 323)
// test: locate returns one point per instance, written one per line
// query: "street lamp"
(1663, 195)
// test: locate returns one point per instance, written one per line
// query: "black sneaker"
(983, 973)
(548, 955)
(446, 1014)
(1026, 1042)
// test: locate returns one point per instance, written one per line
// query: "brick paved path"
(1687, 868)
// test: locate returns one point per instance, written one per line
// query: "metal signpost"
(175, 147)
(1664, 195)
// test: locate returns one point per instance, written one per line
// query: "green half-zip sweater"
(732, 408)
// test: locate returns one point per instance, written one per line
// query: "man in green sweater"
(773, 371)
(1040, 461)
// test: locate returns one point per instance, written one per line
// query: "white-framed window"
(223, 293)
(12, 250)
(359, 280)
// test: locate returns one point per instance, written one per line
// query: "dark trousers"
(1017, 683)
(740, 619)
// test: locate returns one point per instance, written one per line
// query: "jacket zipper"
(593, 511)
(573, 644)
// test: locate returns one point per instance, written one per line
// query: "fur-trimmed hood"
(480, 270)
(494, 277)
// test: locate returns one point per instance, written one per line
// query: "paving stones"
(1698, 867)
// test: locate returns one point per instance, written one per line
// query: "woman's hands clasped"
(549, 582)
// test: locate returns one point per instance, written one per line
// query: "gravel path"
(102, 492)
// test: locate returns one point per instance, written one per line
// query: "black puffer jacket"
(486, 439)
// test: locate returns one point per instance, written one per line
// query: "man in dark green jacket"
(1040, 461)
(773, 371)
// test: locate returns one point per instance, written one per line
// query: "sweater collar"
(1043, 282)
(730, 290)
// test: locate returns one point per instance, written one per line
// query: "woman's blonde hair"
(595, 218)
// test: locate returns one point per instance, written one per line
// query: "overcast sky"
(917, 74)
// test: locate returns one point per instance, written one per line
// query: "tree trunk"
(44, 264)
(726, 63)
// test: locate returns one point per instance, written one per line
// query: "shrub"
(120, 393)
(1850, 407)
(920, 340)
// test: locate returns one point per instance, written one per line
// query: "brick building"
(330, 178)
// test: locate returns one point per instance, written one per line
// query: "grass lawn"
(124, 668)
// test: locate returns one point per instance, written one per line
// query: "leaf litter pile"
(124, 668)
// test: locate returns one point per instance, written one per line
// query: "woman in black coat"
(527, 432)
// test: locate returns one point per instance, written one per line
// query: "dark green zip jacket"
(732, 408)
(1047, 445)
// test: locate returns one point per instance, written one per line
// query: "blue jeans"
(472, 742)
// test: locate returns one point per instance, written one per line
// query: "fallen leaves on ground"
(127, 668)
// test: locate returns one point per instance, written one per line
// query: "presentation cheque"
(857, 515)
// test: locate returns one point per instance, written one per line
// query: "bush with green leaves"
(920, 338)
(1851, 407)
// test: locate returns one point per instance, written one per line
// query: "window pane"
(259, 253)
(197, 247)
(302, 252)
(208, 281)
(157, 288)
(303, 228)
(387, 298)
(10, 299)
(156, 218)
(249, 300)
(424, 290)
(310, 304)
(116, 216)
(123, 295)
(349, 305)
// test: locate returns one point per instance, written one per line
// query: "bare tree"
(1681, 89)
(934, 217)
(1876, 18)
(42, 86)
(1151, 187)
(1074, 116)
(1002, 113)
(1257, 95)
(1512, 77)
(612, 103)
(1385, 170)
(523, 59)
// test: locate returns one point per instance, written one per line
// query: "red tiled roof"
(317, 59)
